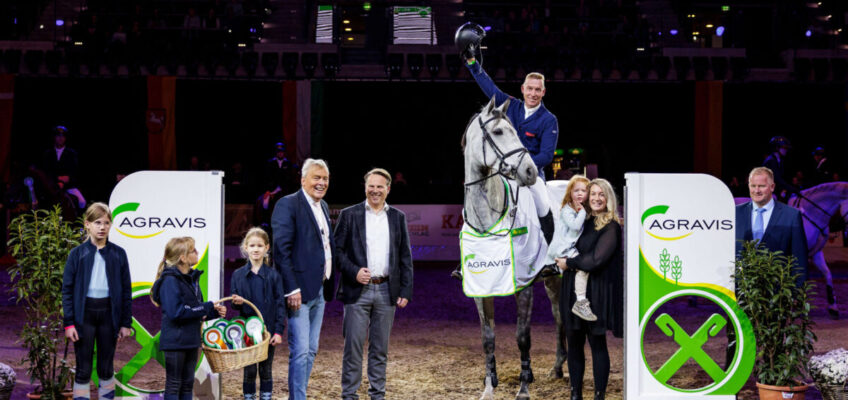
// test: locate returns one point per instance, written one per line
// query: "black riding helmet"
(468, 38)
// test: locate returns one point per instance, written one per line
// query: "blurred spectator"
(821, 171)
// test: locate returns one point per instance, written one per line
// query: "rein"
(797, 204)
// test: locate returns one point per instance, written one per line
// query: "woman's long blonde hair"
(611, 213)
(567, 199)
(94, 212)
(175, 249)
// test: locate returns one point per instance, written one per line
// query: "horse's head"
(491, 146)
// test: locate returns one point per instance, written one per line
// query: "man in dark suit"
(303, 254)
(376, 266)
(776, 225)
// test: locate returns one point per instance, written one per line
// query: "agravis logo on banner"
(671, 228)
(147, 223)
(666, 275)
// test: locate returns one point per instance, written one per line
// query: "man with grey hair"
(303, 254)
(375, 262)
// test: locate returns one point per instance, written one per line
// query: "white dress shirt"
(318, 212)
(59, 151)
(769, 207)
(377, 240)
(529, 111)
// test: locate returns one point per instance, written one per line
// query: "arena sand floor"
(435, 350)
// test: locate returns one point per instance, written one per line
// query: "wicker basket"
(233, 359)
(832, 392)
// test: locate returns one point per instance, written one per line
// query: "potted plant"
(40, 242)
(767, 292)
(830, 371)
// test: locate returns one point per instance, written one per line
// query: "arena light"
(709, 25)
(487, 28)
(347, 21)
(366, 6)
(77, 43)
(808, 33)
(348, 29)
(725, 8)
(60, 22)
(673, 32)
(719, 31)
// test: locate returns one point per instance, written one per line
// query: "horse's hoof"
(833, 312)
(555, 373)
(489, 391)
(526, 376)
(523, 393)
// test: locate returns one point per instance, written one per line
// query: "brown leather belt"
(377, 281)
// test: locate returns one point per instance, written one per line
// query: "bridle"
(504, 168)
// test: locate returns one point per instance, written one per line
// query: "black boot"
(457, 273)
(576, 394)
(599, 395)
(549, 270)
(547, 223)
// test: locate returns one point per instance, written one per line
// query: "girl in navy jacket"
(262, 286)
(177, 291)
(96, 302)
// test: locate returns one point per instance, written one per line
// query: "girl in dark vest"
(177, 291)
(262, 286)
(97, 302)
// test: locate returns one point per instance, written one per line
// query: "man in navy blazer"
(376, 267)
(776, 225)
(303, 254)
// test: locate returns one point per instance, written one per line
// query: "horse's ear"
(505, 105)
(491, 106)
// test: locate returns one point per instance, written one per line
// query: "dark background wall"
(415, 127)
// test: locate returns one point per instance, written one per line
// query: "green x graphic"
(690, 347)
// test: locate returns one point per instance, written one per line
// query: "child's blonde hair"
(255, 232)
(174, 250)
(566, 200)
(94, 212)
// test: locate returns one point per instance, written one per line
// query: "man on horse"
(537, 127)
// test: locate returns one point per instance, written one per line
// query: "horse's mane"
(828, 186)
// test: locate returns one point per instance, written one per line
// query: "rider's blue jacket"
(538, 133)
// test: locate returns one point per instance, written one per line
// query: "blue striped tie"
(758, 224)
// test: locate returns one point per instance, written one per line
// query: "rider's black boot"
(549, 270)
(547, 223)
(457, 273)
(599, 395)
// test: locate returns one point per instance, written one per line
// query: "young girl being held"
(97, 302)
(177, 291)
(262, 286)
(571, 217)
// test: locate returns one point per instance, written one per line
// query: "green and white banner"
(148, 209)
(680, 294)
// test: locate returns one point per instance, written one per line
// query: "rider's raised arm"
(485, 82)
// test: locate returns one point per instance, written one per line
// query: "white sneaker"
(583, 310)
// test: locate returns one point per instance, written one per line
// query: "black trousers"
(577, 360)
(266, 382)
(96, 327)
(179, 371)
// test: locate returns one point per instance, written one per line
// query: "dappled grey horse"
(492, 152)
